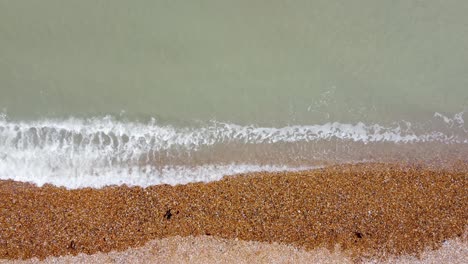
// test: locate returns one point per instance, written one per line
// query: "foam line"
(103, 151)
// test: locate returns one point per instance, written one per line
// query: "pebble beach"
(359, 211)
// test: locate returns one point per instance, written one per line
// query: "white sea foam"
(456, 121)
(96, 152)
(132, 176)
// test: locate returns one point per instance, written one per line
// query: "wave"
(107, 130)
(101, 151)
(138, 176)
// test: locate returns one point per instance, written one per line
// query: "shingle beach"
(371, 210)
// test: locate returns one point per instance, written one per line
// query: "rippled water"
(148, 92)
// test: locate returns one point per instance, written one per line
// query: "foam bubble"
(135, 176)
(96, 152)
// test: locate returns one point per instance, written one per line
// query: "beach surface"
(352, 212)
(209, 249)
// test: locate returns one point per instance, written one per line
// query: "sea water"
(151, 92)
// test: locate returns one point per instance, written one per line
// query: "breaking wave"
(103, 151)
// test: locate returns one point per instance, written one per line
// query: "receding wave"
(103, 151)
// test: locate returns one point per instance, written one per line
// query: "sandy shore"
(369, 210)
(209, 249)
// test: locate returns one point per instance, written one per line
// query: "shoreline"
(371, 210)
(209, 249)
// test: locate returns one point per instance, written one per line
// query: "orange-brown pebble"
(369, 209)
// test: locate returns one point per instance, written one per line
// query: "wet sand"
(209, 249)
(370, 210)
